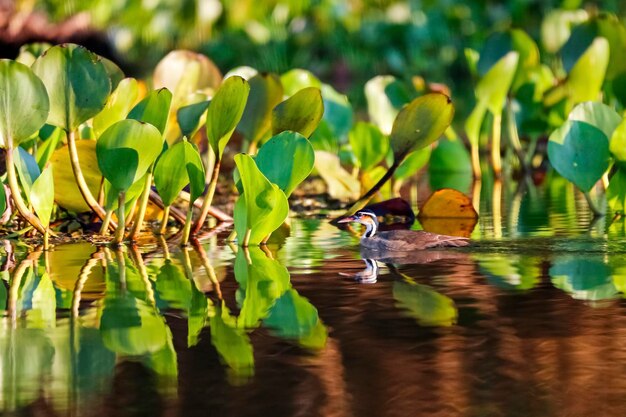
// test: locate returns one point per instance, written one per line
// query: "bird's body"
(394, 241)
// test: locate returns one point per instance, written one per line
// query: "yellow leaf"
(447, 203)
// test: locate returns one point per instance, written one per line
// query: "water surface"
(530, 321)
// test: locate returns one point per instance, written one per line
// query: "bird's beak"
(347, 219)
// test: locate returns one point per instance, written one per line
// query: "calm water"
(528, 322)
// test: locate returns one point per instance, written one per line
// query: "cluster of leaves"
(121, 139)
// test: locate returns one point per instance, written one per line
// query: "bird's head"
(365, 217)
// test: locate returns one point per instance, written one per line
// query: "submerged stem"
(145, 197)
(166, 215)
(495, 144)
(592, 206)
(17, 196)
(208, 197)
(187, 227)
(119, 233)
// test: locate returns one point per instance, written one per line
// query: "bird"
(395, 241)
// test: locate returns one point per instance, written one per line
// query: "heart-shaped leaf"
(266, 92)
(617, 145)
(296, 79)
(420, 123)
(178, 166)
(118, 105)
(225, 111)
(300, 113)
(286, 160)
(262, 207)
(580, 153)
(126, 150)
(42, 196)
(153, 109)
(385, 96)
(27, 169)
(368, 144)
(24, 104)
(597, 114)
(341, 184)
(77, 82)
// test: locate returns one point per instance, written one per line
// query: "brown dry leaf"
(448, 212)
(448, 203)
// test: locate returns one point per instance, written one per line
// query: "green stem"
(17, 196)
(145, 197)
(80, 179)
(592, 206)
(361, 202)
(166, 215)
(514, 135)
(495, 144)
(476, 161)
(246, 239)
(104, 229)
(119, 233)
(208, 198)
(46, 245)
(187, 227)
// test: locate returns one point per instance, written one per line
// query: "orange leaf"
(448, 203)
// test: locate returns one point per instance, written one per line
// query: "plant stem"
(187, 227)
(80, 179)
(246, 239)
(119, 233)
(166, 215)
(104, 229)
(17, 196)
(475, 152)
(514, 135)
(594, 209)
(46, 245)
(495, 144)
(145, 197)
(208, 198)
(361, 202)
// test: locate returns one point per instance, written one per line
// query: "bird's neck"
(370, 231)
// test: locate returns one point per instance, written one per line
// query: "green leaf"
(262, 207)
(586, 77)
(300, 113)
(172, 288)
(598, 115)
(115, 73)
(368, 144)
(231, 343)
(77, 82)
(618, 143)
(126, 150)
(48, 144)
(424, 304)
(474, 122)
(118, 105)
(262, 280)
(24, 104)
(27, 169)
(584, 278)
(383, 101)
(296, 79)
(189, 117)
(338, 114)
(294, 317)
(31, 51)
(341, 184)
(266, 92)
(225, 111)
(286, 160)
(580, 153)
(42, 196)
(495, 85)
(111, 195)
(153, 109)
(178, 166)
(420, 123)
(414, 161)
(616, 193)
